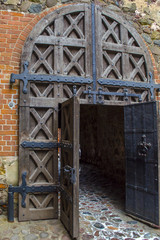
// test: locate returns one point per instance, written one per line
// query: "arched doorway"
(95, 50)
(82, 54)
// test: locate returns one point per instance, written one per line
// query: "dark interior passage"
(102, 140)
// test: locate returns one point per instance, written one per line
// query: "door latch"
(71, 172)
(143, 147)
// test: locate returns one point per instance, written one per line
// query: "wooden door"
(80, 50)
(141, 147)
(122, 60)
(37, 154)
(69, 180)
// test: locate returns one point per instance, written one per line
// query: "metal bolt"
(11, 104)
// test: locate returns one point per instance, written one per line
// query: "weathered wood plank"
(70, 157)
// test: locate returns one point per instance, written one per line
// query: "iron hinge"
(26, 76)
(28, 144)
(151, 86)
(65, 194)
(101, 93)
(24, 189)
(70, 173)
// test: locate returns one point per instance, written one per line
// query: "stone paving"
(102, 216)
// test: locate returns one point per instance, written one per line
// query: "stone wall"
(8, 175)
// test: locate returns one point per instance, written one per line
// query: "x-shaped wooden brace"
(38, 93)
(75, 92)
(74, 61)
(110, 30)
(131, 41)
(67, 135)
(42, 59)
(41, 166)
(66, 207)
(137, 68)
(41, 123)
(112, 65)
(45, 202)
(74, 25)
(49, 31)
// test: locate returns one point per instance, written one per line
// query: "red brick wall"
(14, 29)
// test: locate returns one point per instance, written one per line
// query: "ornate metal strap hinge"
(142, 85)
(24, 190)
(42, 145)
(25, 77)
(70, 173)
(101, 93)
(143, 147)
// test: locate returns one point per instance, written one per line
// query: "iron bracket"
(26, 76)
(101, 93)
(142, 85)
(27, 144)
(24, 190)
(93, 50)
(71, 173)
(66, 196)
(143, 147)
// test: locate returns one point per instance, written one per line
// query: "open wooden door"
(141, 145)
(69, 213)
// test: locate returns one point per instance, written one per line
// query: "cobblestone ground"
(102, 216)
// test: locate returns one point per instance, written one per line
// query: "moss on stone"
(2, 170)
(146, 20)
(155, 35)
(35, 1)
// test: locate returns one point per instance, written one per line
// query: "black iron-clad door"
(141, 146)
(69, 181)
